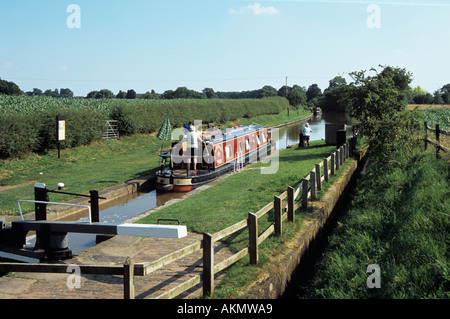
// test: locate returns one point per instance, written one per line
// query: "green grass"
(272, 120)
(399, 220)
(95, 166)
(229, 201)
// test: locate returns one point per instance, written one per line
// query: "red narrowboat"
(220, 152)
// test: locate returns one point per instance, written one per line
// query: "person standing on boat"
(193, 140)
(306, 134)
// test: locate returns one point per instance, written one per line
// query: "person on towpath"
(306, 134)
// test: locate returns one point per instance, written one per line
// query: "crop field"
(27, 124)
(29, 104)
(436, 116)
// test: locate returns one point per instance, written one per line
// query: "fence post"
(333, 163)
(437, 133)
(95, 215)
(208, 265)
(277, 209)
(346, 150)
(312, 179)
(437, 141)
(318, 178)
(291, 201)
(426, 135)
(338, 155)
(325, 169)
(128, 278)
(341, 155)
(253, 238)
(305, 193)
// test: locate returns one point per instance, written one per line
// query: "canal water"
(144, 201)
(289, 135)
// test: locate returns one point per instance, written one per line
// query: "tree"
(54, 93)
(150, 95)
(209, 93)
(9, 88)
(267, 91)
(121, 95)
(334, 96)
(65, 93)
(168, 95)
(295, 97)
(437, 98)
(131, 94)
(313, 92)
(284, 90)
(445, 93)
(420, 96)
(379, 103)
(102, 94)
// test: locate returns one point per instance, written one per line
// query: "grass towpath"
(230, 200)
(96, 166)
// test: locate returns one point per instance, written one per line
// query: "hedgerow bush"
(145, 116)
(28, 124)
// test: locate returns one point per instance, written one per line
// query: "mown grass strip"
(95, 166)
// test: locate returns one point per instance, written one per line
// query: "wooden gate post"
(128, 278)
(253, 238)
(291, 201)
(208, 265)
(318, 178)
(277, 209)
(333, 163)
(312, 180)
(338, 155)
(305, 194)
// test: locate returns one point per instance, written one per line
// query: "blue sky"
(227, 45)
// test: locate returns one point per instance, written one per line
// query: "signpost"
(60, 131)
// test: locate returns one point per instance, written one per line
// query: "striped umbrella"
(165, 132)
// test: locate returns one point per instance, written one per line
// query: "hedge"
(28, 124)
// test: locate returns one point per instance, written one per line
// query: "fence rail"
(438, 132)
(283, 207)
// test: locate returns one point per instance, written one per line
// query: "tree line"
(334, 97)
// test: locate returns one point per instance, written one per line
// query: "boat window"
(264, 137)
(240, 147)
(228, 152)
(247, 144)
(258, 139)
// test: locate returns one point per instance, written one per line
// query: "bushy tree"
(131, 94)
(335, 95)
(9, 88)
(379, 103)
(296, 96)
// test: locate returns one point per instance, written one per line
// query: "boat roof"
(233, 132)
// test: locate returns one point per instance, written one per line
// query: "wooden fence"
(438, 132)
(283, 207)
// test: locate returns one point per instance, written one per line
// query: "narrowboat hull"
(179, 181)
(255, 144)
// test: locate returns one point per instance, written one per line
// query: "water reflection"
(289, 135)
